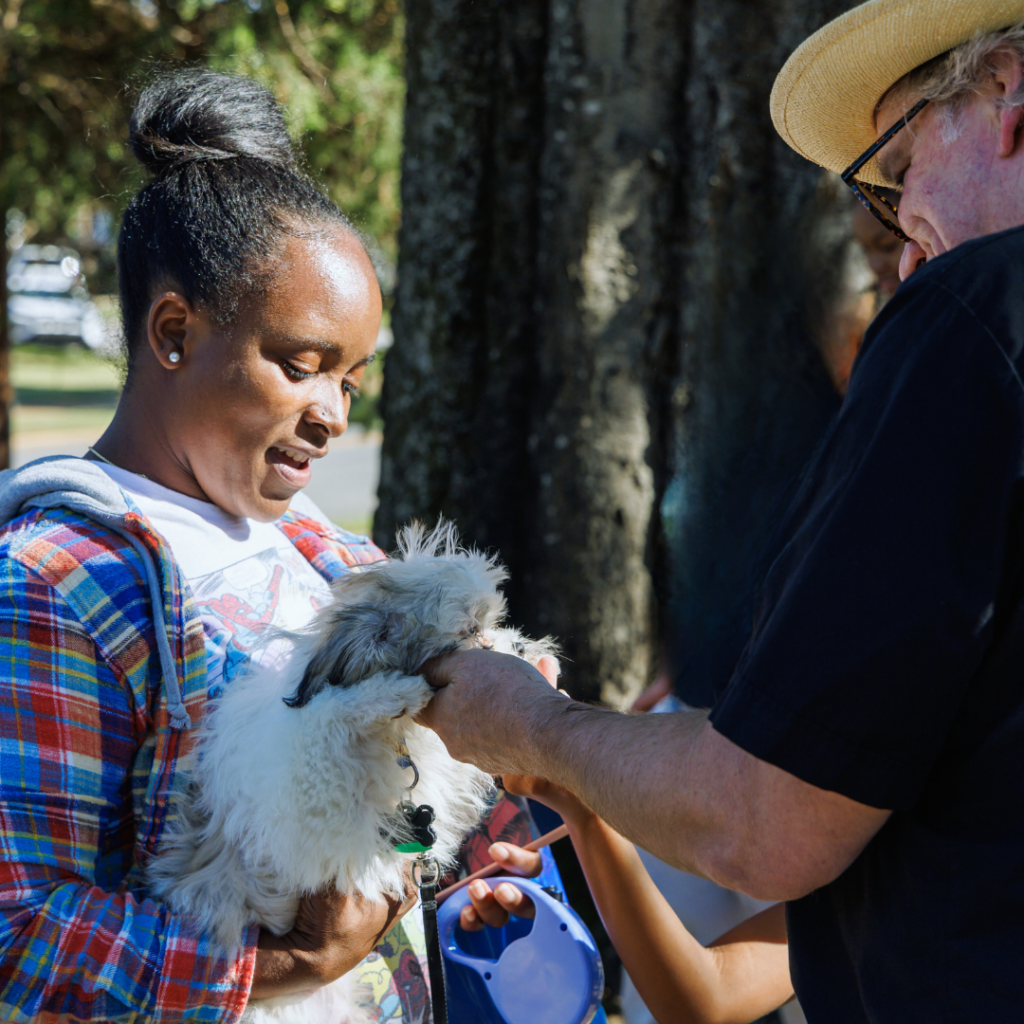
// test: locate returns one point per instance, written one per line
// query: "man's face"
(952, 191)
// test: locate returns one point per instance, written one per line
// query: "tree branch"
(314, 70)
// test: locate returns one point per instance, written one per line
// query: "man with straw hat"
(866, 763)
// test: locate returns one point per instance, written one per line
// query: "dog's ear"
(312, 683)
(360, 643)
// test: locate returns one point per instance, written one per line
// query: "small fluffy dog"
(298, 772)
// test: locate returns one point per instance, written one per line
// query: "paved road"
(344, 482)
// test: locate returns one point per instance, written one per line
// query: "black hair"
(227, 185)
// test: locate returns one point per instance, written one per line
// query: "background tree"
(68, 69)
(612, 279)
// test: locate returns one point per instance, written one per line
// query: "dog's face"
(432, 598)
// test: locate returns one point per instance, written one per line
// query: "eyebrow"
(325, 348)
(889, 155)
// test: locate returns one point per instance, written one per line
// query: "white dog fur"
(294, 776)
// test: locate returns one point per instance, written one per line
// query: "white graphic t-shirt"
(245, 575)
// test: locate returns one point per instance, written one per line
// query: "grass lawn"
(66, 388)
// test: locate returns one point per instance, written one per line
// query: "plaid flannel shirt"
(88, 763)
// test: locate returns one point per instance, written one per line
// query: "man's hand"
(487, 706)
(331, 935)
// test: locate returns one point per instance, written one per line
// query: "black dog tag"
(420, 819)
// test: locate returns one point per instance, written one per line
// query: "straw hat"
(824, 100)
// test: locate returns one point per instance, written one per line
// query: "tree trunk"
(610, 271)
(767, 262)
(6, 391)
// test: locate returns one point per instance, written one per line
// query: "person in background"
(730, 979)
(707, 910)
(843, 335)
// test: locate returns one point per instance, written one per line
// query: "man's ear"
(1010, 121)
(1008, 74)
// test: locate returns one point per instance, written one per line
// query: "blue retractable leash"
(541, 971)
(544, 971)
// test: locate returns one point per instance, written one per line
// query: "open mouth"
(294, 467)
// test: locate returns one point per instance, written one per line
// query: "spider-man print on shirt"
(276, 588)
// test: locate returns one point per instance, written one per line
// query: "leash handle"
(495, 869)
(435, 961)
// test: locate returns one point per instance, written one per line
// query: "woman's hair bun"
(197, 115)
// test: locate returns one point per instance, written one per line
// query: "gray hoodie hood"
(81, 486)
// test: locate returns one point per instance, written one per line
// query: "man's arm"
(669, 782)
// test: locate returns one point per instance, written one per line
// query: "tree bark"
(767, 261)
(611, 270)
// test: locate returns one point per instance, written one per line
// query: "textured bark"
(610, 269)
(767, 259)
(6, 391)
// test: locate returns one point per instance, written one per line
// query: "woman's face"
(256, 403)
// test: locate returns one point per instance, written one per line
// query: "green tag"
(412, 848)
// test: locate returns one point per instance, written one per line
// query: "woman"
(137, 583)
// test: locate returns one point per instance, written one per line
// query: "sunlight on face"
(266, 394)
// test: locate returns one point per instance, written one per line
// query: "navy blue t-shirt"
(887, 657)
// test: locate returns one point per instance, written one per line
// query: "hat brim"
(824, 99)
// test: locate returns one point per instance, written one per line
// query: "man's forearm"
(671, 783)
(645, 775)
(681, 790)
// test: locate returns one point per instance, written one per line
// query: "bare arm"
(744, 975)
(669, 782)
(741, 976)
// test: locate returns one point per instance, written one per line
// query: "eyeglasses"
(872, 198)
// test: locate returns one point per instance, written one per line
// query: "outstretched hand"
(488, 705)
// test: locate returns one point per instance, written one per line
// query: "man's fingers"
(494, 908)
(548, 668)
(514, 860)
(437, 671)
(469, 920)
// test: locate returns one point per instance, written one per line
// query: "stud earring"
(174, 357)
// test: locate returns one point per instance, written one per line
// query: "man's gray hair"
(952, 78)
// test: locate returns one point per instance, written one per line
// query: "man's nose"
(913, 256)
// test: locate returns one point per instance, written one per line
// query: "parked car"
(47, 301)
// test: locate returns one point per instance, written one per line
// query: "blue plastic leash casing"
(544, 971)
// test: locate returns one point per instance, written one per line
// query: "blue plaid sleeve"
(77, 942)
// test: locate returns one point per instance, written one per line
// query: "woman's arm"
(741, 976)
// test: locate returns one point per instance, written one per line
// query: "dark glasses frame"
(859, 188)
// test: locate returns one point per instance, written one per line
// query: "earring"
(174, 357)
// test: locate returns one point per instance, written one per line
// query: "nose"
(328, 412)
(913, 256)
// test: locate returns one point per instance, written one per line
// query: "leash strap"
(435, 962)
(426, 875)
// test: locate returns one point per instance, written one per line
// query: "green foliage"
(365, 409)
(68, 69)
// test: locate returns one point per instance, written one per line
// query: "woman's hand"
(332, 933)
